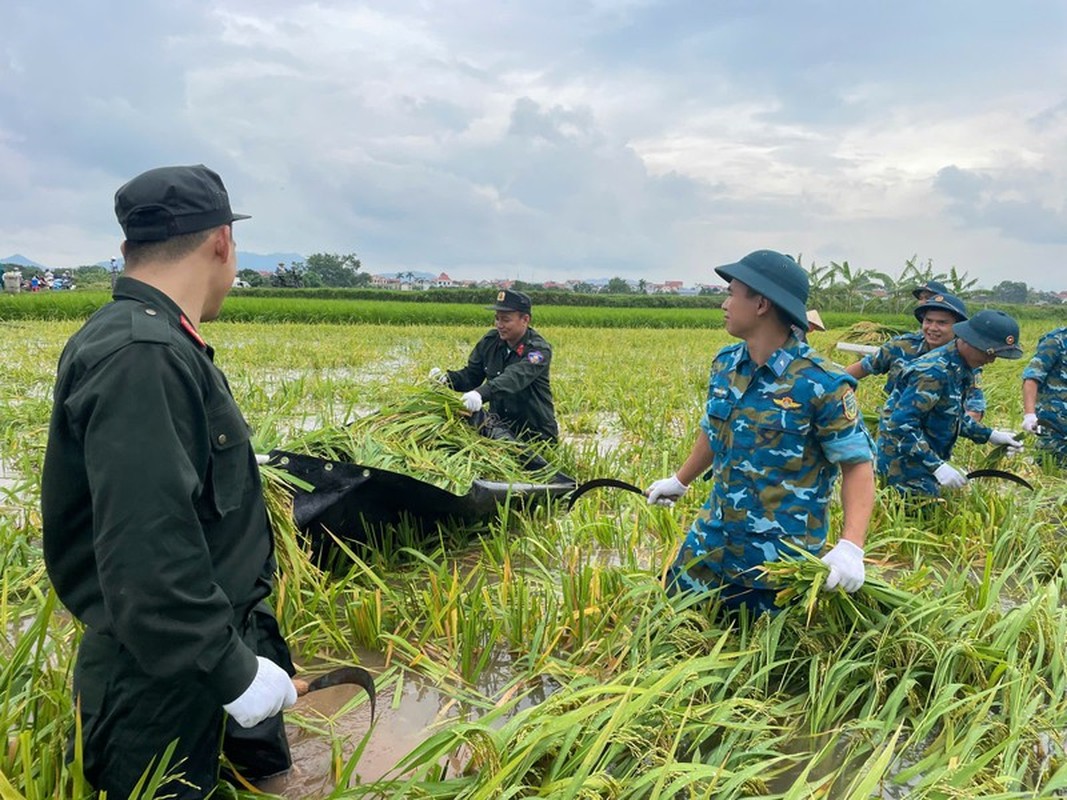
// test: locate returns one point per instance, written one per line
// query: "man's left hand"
(846, 567)
(1006, 438)
(473, 401)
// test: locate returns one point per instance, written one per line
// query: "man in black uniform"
(155, 531)
(508, 369)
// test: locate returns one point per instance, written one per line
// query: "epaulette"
(826, 366)
(148, 324)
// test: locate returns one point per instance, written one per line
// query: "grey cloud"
(981, 201)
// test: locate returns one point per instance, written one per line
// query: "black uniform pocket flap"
(228, 428)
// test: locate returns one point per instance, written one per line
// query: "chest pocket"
(229, 471)
(781, 443)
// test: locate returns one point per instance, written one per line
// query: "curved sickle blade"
(999, 473)
(355, 675)
(598, 483)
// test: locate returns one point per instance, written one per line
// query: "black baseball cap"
(171, 201)
(510, 300)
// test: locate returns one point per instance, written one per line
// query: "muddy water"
(408, 711)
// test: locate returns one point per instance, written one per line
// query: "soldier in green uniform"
(509, 369)
(155, 530)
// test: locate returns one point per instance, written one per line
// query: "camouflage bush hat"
(933, 287)
(992, 332)
(942, 302)
(775, 276)
(171, 201)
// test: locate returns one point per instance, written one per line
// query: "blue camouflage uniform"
(1049, 368)
(776, 433)
(924, 417)
(900, 350)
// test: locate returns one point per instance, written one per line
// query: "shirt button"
(150, 312)
(222, 438)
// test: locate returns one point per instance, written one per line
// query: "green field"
(556, 665)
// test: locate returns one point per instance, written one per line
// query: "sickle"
(999, 473)
(354, 675)
(597, 483)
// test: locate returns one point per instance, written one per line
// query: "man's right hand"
(1030, 423)
(950, 477)
(271, 690)
(473, 401)
(665, 491)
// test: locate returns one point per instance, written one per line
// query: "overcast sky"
(555, 139)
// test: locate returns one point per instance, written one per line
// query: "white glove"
(1029, 423)
(950, 477)
(473, 401)
(270, 691)
(665, 491)
(438, 374)
(1004, 437)
(262, 458)
(846, 567)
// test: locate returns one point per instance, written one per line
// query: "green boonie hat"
(510, 300)
(775, 276)
(934, 287)
(171, 201)
(942, 302)
(992, 332)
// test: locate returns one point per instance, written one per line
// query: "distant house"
(384, 282)
(442, 281)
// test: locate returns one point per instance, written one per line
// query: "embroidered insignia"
(851, 404)
(519, 350)
(939, 298)
(535, 357)
(500, 297)
(786, 402)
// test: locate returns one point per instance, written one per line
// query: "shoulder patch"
(535, 357)
(851, 405)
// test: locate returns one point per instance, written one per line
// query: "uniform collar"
(127, 288)
(780, 359)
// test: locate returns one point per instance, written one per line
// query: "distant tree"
(251, 277)
(335, 270)
(583, 288)
(642, 286)
(1010, 292)
(618, 286)
(525, 286)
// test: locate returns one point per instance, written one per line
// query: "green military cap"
(933, 287)
(945, 302)
(775, 276)
(511, 300)
(992, 332)
(171, 201)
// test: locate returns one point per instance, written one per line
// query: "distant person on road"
(936, 315)
(155, 530)
(779, 425)
(925, 414)
(509, 369)
(1045, 395)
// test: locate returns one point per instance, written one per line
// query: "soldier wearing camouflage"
(925, 414)
(900, 350)
(777, 433)
(779, 425)
(1045, 395)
